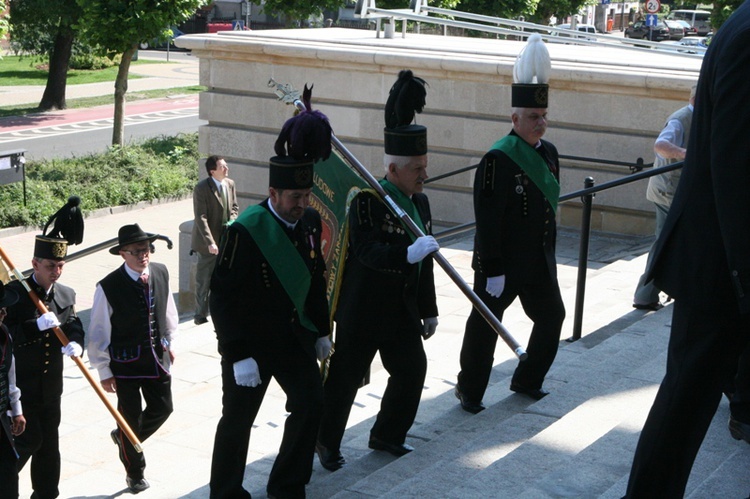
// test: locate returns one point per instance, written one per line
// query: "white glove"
(495, 285)
(323, 347)
(422, 247)
(47, 321)
(246, 372)
(72, 349)
(430, 325)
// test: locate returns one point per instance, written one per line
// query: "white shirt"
(100, 326)
(13, 390)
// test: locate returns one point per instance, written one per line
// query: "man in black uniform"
(387, 299)
(12, 422)
(515, 199)
(39, 360)
(268, 303)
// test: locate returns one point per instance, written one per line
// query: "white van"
(699, 19)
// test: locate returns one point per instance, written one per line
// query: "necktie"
(225, 201)
(144, 280)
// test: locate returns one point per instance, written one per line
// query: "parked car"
(699, 19)
(584, 28)
(660, 32)
(157, 43)
(689, 45)
(687, 27)
(676, 31)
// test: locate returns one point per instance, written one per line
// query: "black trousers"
(402, 353)
(297, 373)
(542, 303)
(8, 463)
(157, 393)
(704, 348)
(40, 443)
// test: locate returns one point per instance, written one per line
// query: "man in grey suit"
(702, 260)
(214, 205)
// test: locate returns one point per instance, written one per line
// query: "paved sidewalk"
(179, 454)
(153, 76)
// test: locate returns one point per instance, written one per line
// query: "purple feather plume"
(306, 136)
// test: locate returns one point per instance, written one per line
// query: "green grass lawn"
(26, 70)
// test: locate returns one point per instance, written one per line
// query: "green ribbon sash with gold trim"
(526, 157)
(281, 254)
(405, 203)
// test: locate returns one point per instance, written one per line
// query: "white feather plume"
(533, 64)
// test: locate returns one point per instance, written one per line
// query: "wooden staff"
(286, 94)
(64, 340)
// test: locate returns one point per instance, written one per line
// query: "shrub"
(158, 168)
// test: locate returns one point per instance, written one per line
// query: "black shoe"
(115, 434)
(330, 460)
(199, 320)
(535, 393)
(739, 430)
(467, 405)
(397, 450)
(648, 306)
(137, 484)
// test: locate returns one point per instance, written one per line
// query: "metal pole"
(481, 307)
(583, 259)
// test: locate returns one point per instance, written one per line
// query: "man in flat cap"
(387, 300)
(39, 360)
(133, 323)
(268, 305)
(516, 189)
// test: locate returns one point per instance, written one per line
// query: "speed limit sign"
(652, 6)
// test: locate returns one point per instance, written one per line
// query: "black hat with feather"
(407, 97)
(303, 140)
(67, 229)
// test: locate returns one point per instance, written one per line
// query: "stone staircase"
(577, 442)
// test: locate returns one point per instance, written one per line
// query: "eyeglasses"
(137, 253)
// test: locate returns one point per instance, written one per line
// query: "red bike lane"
(84, 115)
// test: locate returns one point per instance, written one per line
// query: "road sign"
(653, 6)
(238, 25)
(651, 19)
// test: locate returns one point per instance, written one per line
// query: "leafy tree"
(722, 10)
(508, 9)
(119, 26)
(45, 28)
(299, 11)
(3, 20)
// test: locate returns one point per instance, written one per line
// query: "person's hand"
(246, 372)
(47, 321)
(422, 247)
(17, 425)
(72, 349)
(109, 384)
(323, 348)
(495, 285)
(213, 249)
(429, 326)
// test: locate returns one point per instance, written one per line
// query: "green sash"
(405, 203)
(533, 164)
(284, 258)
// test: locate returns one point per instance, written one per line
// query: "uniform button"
(46, 362)
(45, 371)
(46, 354)
(46, 344)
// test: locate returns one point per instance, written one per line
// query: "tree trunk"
(57, 77)
(121, 87)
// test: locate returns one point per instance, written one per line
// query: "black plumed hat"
(406, 98)
(67, 230)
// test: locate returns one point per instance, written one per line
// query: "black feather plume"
(68, 222)
(306, 136)
(407, 97)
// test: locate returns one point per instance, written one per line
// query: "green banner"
(335, 185)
